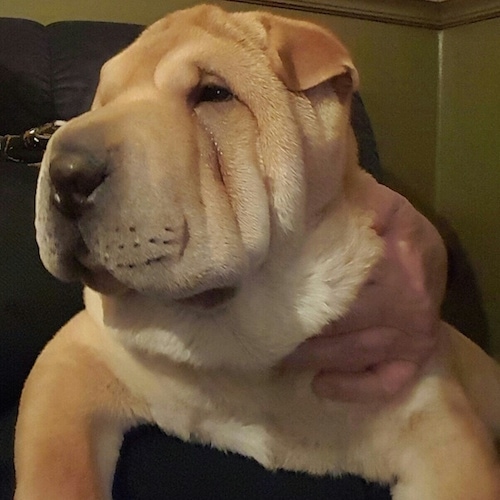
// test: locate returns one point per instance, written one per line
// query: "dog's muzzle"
(74, 182)
(74, 178)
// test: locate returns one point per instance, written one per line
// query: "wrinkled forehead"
(201, 36)
(238, 27)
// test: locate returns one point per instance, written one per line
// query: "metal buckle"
(30, 146)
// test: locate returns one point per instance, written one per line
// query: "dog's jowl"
(209, 201)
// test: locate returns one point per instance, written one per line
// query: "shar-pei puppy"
(209, 202)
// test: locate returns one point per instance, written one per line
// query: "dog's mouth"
(100, 279)
(209, 298)
(93, 274)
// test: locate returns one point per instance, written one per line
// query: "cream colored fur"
(223, 235)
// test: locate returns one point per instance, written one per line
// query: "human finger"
(357, 351)
(381, 383)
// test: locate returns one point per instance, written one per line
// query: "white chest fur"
(273, 418)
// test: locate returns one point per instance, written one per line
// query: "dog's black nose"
(74, 178)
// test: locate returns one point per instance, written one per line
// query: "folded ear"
(304, 55)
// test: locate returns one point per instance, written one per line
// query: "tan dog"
(208, 200)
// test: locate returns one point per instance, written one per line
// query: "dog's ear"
(303, 55)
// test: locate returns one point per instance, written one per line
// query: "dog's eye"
(214, 93)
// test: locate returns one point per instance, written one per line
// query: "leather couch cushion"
(49, 73)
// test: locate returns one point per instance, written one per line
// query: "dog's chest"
(277, 421)
(274, 417)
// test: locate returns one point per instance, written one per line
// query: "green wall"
(434, 103)
(468, 160)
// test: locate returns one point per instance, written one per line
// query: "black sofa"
(47, 73)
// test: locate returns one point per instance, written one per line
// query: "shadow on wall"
(463, 305)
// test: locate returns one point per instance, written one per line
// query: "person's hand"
(377, 349)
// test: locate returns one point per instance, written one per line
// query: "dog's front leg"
(72, 417)
(445, 452)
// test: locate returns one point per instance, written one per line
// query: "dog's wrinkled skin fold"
(208, 200)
